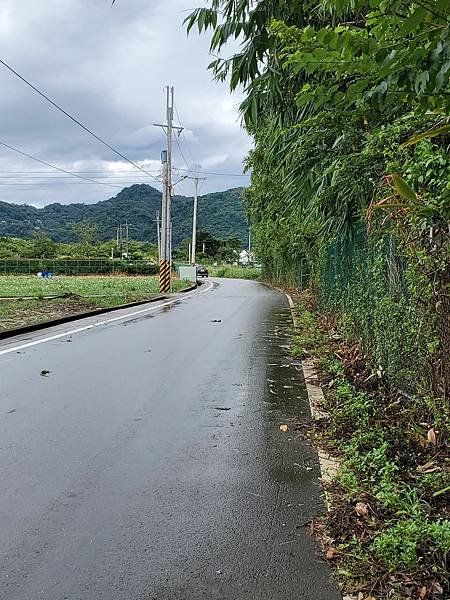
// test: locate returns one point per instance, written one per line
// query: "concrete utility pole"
(123, 240)
(165, 259)
(157, 220)
(126, 238)
(196, 179)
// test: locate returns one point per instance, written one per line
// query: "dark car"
(202, 272)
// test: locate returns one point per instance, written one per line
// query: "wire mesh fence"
(366, 283)
(292, 272)
(76, 267)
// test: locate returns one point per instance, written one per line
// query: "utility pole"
(157, 220)
(196, 179)
(127, 238)
(166, 158)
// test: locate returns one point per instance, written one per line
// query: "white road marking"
(105, 322)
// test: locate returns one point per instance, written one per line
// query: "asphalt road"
(148, 462)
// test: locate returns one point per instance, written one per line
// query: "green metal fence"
(287, 271)
(366, 284)
(76, 267)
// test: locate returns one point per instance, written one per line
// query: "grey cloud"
(108, 66)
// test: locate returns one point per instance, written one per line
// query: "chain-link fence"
(292, 272)
(76, 267)
(366, 283)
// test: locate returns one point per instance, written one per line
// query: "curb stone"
(329, 465)
(9, 333)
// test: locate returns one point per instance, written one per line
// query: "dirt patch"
(18, 313)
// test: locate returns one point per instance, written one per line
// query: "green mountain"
(220, 213)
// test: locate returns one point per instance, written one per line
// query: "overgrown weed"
(389, 526)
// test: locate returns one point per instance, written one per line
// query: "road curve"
(141, 458)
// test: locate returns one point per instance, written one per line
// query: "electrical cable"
(194, 162)
(33, 87)
(43, 162)
(181, 152)
(118, 187)
(44, 177)
(218, 174)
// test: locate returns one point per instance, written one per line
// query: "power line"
(194, 162)
(34, 174)
(74, 119)
(56, 176)
(43, 162)
(218, 174)
(118, 187)
(181, 152)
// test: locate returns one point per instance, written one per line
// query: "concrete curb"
(69, 318)
(329, 466)
(83, 315)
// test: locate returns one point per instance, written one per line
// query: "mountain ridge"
(220, 213)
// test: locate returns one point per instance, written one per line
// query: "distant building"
(246, 257)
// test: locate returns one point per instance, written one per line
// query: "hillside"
(220, 213)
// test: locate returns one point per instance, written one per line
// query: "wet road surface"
(148, 464)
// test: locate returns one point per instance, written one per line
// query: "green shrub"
(401, 545)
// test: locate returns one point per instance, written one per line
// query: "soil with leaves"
(388, 528)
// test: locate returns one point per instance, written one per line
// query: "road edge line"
(9, 333)
(100, 323)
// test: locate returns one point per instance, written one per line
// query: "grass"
(389, 524)
(235, 272)
(87, 285)
(79, 293)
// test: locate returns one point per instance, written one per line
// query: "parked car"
(202, 272)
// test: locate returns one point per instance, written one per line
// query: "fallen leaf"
(431, 436)
(284, 428)
(428, 467)
(361, 509)
(329, 554)
(436, 588)
(422, 441)
(423, 592)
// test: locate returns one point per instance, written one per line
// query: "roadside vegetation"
(234, 272)
(348, 104)
(42, 246)
(388, 529)
(38, 299)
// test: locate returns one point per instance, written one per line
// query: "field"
(31, 299)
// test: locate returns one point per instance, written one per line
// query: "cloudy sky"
(108, 67)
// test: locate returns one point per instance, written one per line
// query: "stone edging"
(328, 464)
(9, 333)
